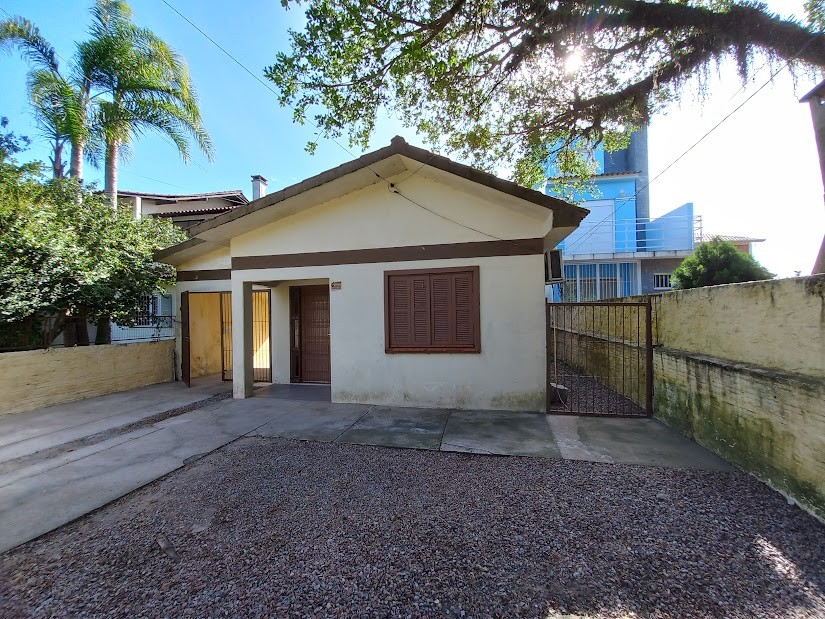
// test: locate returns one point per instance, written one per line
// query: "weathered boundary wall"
(740, 369)
(36, 378)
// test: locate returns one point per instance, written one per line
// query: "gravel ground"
(588, 394)
(278, 528)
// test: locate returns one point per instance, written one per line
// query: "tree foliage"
(61, 256)
(497, 81)
(717, 262)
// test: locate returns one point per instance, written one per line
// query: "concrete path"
(43, 486)
(23, 434)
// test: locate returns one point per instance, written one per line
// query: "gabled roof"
(356, 174)
(235, 196)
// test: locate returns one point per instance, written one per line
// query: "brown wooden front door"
(309, 312)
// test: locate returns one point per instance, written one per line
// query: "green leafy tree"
(718, 262)
(61, 257)
(10, 144)
(499, 81)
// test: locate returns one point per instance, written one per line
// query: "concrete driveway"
(60, 463)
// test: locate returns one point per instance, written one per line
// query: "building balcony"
(674, 234)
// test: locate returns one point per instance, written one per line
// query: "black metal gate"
(600, 359)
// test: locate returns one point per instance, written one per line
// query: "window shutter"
(442, 310)
(420, 286)
(464, 309)
(400, 311)
(432, 310)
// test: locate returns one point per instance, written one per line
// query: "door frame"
(296, 333)
(185, 345)
(267, 372)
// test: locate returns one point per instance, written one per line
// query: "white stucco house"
(399, 278)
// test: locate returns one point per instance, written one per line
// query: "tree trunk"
(76, 331)
(52, 329)
(76, 165)
(104, 331)
(82, 326)
(110, 181)
(57, 161)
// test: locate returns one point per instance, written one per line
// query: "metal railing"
(666, 233)
(148, 328)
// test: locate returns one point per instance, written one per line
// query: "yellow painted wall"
(778, 324)
(37, 378)
(205, 334)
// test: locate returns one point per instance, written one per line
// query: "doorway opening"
(309, 331)
(206, 335)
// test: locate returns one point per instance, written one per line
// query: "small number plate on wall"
(335, 285)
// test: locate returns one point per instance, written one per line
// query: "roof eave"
(817, 91)
(565, 215)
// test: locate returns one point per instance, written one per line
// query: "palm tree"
(125, 82)
(146, 86)
(58, 105)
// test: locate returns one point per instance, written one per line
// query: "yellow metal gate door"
(261, 340)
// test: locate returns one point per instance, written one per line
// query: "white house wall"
(374, 217)
(508, 373)
(218, 259)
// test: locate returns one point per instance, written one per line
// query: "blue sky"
(756, 175)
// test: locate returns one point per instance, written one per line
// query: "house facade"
(156, 321)
(399, 278)
(620, 250)
(184, 210)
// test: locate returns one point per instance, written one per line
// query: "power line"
(394, 190)
(169, 141)
(324, 135)
(584, 237)
(258, 79)
(156, 180)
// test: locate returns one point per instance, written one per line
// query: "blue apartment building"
(619, 250)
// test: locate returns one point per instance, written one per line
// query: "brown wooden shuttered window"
(434, 310)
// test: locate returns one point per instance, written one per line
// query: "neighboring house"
(619, 250)
(662, 280)
(399, 278)
(184, 210)
(742, 243)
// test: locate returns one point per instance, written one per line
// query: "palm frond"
(20, 33)
(108, 16)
